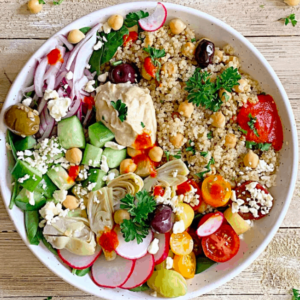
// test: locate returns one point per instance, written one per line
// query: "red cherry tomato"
(132, 37)
(268, 124)
(158, 191)
(149, 67)
(185, 187)
(89, 101)
(197, 241)
(222, 245)
(73, 173)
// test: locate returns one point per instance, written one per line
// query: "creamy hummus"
(140, 110)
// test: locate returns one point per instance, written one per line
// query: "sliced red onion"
(66, 42)
(39, 75)
(87, 116)
(28, 89)
(75, 105)
(80, 44)
(48, 130)
(84, 93)
(59, 79)
(79, 112)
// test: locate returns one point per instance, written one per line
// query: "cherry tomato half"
(73, 173)
(149, 66)
(197, 249)
(132, 37)
(185, 265)
(181, 243)
(222, 245)
(216, 191)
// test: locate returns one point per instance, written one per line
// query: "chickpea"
(177, 140)
(148, 40)
(292, 2)
(186, 109)
(71, 202)
(74, 156)
(169, 68)
(133, 152)
(243, 87)
(156, 154)
(177, 26)
(133, 28)
(230, 140)
(223, 96)
(75, 36)
(115, 22)
(218, 120)
(188, 49)
(127, 166)
(34, 6)
(120, 215)
(251, 159)
(145, 75)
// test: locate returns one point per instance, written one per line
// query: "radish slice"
(112, 274)
(132, 250)
(155, 20)
(210, 223)
(142, 271)
(164, 245)
(77, 261)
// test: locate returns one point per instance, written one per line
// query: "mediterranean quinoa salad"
(142, 153)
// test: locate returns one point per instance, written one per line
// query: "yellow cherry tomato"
(216, 191)
(181, 243)
(185, 265)
(186, 214)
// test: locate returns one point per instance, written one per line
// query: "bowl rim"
(151, 4)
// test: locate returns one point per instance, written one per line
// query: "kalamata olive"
(22, 120)
(205, 53)
(123, 73)
(163, 219)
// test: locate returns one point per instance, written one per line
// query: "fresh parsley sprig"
(133, 18)
(177, 155)
(210, 135)
(154, 55)
(228, 79)
(289, 19)
(251, 122)
(259, 146)
(57, 2)
(296, 295)
(208, 169)
(191, 148)
(139, 208)
(121, 108)
(142, 124)
(42, 2)
(242, 130)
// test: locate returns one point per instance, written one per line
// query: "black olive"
(163, 219)
(205, 53)
(123, 73)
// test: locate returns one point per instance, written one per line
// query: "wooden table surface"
(22, 276)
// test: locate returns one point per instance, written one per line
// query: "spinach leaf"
(14, 194)
(108, 50)
(85, 29)
(32, 226)
(46, 243)
(134, 17)
(203, 263)
(141, 288)
(81, 272)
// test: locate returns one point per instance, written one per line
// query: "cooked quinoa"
(177, 68)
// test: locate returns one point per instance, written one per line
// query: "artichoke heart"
(129, 183)
(72, 234)
(171, 174)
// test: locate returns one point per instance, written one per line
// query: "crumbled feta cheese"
(91, 186)
(153, 247)
(69, 75)
(114, 146)
(30, 196)
(60, 195)
(89, 86)
(233, 196)
(66, 86)
(234, 207)
(169, 263)
(27, 153)
(178, 227)
(115, 172)
(88, 66)
(49, 94)
(104, 165)
(154, 294)
(49, 211)
(106, 28)
(98, 45)
(264, 167)
(104, 39)
(22, 179)
(27, 101)
(58, 108)
(103, 77)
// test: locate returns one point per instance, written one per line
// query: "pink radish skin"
(156, 20)
(112, 274)
(211, 225)
(132, 250)
(77, 261)
(142, 271)
(164, 245)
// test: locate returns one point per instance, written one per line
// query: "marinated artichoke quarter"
(22, 120)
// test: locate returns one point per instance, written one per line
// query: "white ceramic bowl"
(255, 64)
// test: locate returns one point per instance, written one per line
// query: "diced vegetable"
(22, 201)
(99, 134)
(236, 221)
(114, 157)
(46, 187)
(25, 144)
(92, 156)
(60, 177)
(95, 176)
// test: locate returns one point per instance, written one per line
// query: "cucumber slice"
(70, 133)
(22, 201)
(46, 187)
(25, 144)
(114, 157)
(92, 156)
(60, 177)
(95, 176)
(22, 169)
(99, 134)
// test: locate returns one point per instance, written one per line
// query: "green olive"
(121, 215)
(22, 120)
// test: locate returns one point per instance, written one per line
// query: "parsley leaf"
(252, 121)
(242, 130)
(191, 148)
(208, 169)
(193, 40)
(228, 79)
(210, 135)
(296, 295)
(142, 124)
(154, 55)
(42, 2)
(167, 153)
(259, 146)
(204, 154)
(133, 18)
(121, 108)
(262, 6)
(289, 19)
(177, 155)
(57, 2)
(139, 208)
